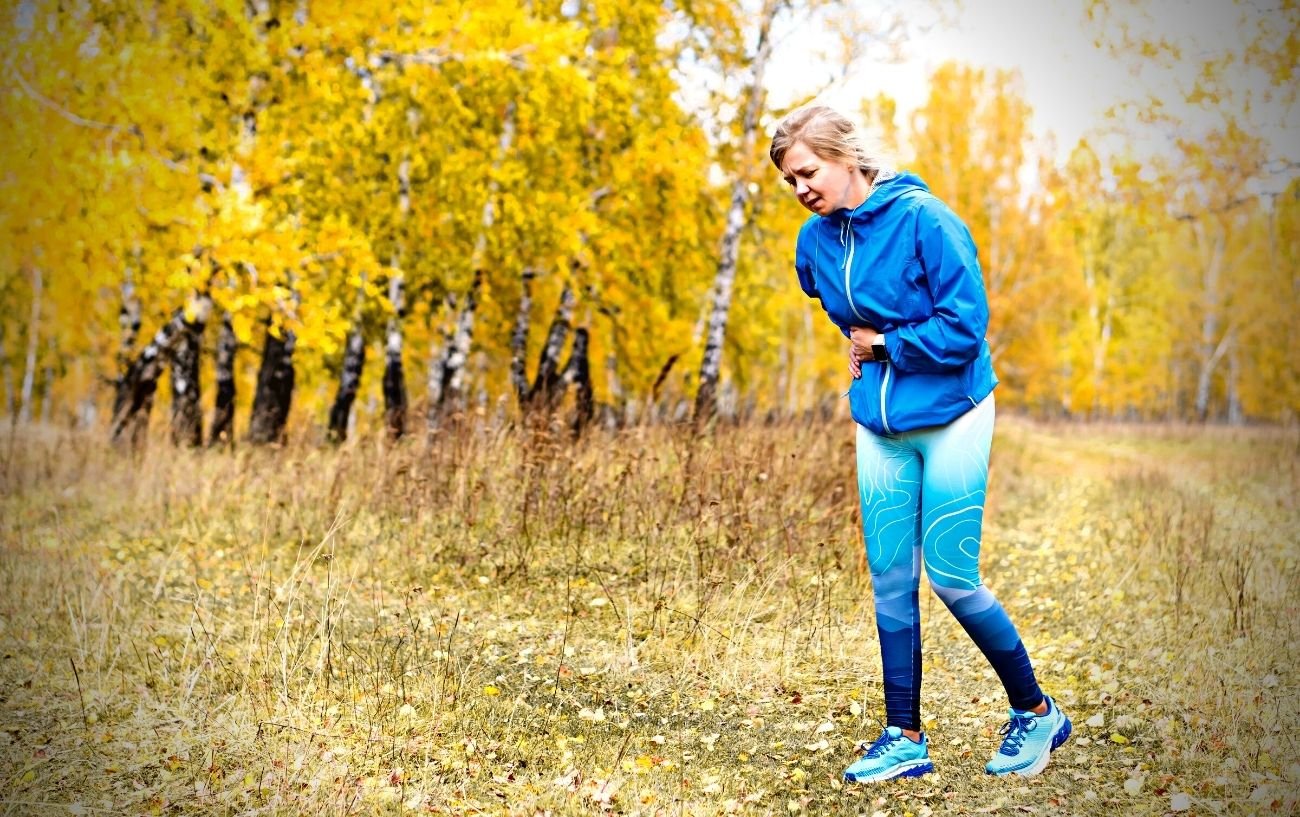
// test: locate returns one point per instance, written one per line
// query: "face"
(821, 185)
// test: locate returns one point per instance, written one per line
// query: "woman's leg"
(889, 486)
(952, 506)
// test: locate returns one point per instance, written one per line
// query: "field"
(643, 622)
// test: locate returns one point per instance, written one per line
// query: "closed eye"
(805, 172)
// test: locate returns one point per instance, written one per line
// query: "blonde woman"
(896, 270)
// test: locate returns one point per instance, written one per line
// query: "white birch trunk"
(223, 410)
(519, 338)
(710, 366)
(1212, 347)
(33, 341)
(547, 384)
(394, 385)
(447, 365)
(354, 361)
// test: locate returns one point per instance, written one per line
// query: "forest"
(281, 218)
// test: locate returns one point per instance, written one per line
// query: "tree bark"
(128, 319)
(47, 383)
(710, 366)
(394, 374)
(447, 365)
(445, 333)
(519, 338)
(33, 340)
(453, 375)
(274, 393)
(1236, 415)
(578, 373)
(548, 385)
(132, 419)
(223, 410)
(1212, 346)
(354, 360)
(187, 414)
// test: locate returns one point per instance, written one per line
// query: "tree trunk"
(710, 366)
(187, 414)
(47, 383)
(274, 392)
(128, 319)
(1236, 416)
(354, 360)
(447, 365)
(519, 338)
(33, 340)
(578, 372)
(453, 375)
(548, 384)
(447, 375)
(1212, 346)
(132, 419)
(445, 332)
(394, 374)
(223, 411)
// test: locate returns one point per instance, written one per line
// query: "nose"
(800, 187)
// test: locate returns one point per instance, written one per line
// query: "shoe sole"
(1058, 739)
(913, 769)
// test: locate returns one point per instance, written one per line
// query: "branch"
(437, 56)
(37, 96)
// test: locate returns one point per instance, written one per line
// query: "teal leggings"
(922, 498)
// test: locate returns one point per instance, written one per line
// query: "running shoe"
(1029, 740)
(892, 755)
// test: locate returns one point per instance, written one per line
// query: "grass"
(640, 623)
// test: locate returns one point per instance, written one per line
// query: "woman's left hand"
(860, 340)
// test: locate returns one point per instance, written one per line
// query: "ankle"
(912, 735)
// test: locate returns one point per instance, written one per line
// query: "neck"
(859, 187)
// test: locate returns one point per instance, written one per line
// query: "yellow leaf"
(491, 690)
(1116, 737)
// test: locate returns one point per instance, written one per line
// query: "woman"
(896, 271)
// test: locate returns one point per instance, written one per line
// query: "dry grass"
(641, 623)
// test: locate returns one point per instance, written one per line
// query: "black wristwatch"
(879, 352)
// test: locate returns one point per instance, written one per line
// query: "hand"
(860, 340)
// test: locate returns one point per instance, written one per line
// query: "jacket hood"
(883, 196)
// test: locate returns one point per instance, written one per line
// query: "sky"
(1067, 80)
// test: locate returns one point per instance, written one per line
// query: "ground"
(642, 622)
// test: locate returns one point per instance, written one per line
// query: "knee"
(964, 598)
(947, 594)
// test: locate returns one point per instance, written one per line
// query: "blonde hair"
(832, 136)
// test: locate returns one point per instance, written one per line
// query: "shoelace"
(879, 747)
(1016, 730)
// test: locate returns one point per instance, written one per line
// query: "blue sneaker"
(1029, 742)
(892, 755)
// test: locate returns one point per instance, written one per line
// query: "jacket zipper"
(884, 384)
(848, 266)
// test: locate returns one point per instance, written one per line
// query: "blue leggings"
(922, 498)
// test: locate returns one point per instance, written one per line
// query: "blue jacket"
(904, 264)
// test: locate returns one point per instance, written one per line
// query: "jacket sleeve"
(804, 268)
(954, 333)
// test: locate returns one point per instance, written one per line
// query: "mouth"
(812, 203)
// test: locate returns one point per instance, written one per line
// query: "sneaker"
(892, 755)
(1029, 742)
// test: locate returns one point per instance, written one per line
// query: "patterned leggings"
(922, 498)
